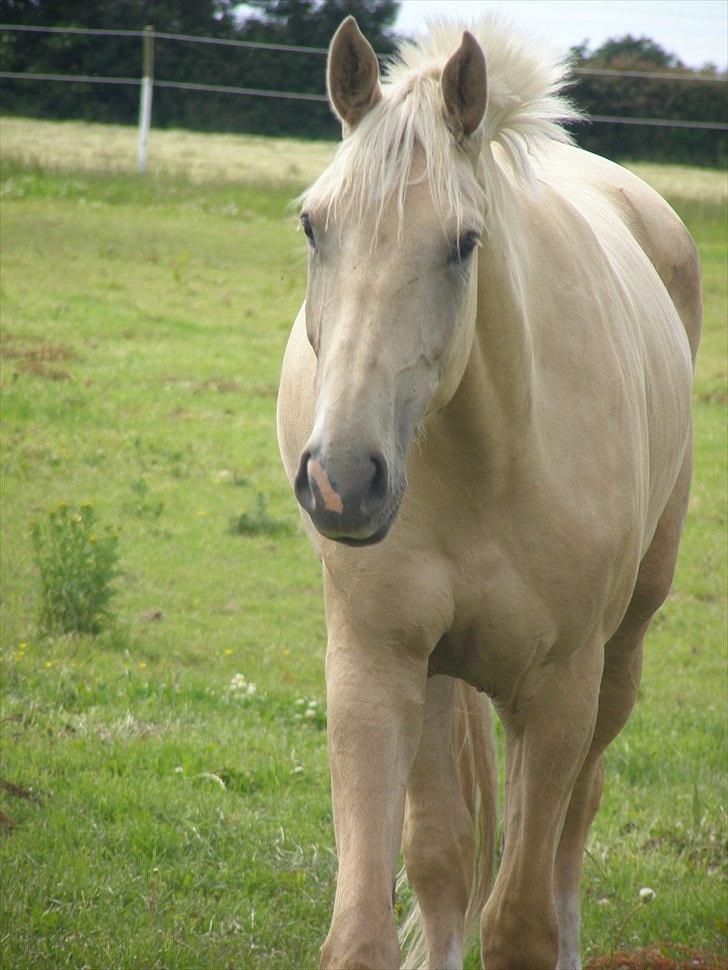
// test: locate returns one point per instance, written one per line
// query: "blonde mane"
(373, 166)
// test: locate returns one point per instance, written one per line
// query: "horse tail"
(474, 751)
(474, 745)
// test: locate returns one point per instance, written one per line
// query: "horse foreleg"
(548, 733)
(439, 833)
(375, 696)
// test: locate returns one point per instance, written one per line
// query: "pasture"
(164, 790)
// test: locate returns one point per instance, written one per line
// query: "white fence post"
(145, 97)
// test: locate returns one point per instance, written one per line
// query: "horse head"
(393, 228)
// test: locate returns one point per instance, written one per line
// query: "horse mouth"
(371, 540)
(358, 541)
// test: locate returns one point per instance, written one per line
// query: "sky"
(695, 30)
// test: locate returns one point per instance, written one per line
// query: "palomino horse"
(485, 415)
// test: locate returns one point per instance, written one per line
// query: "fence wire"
(301, 96)
(293, 49)
(298, 96)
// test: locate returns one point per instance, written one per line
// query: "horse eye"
(307, 228)
(464, 246)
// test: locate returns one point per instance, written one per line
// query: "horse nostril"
(378, 485)
(302, 484)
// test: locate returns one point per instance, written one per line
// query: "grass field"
(156, 811)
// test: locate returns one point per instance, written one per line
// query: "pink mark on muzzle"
(332, 499)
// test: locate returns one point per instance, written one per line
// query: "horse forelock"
(405, 139)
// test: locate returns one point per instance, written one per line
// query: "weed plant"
(258, 521)
(77, 567)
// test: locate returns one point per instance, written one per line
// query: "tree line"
(310, 23)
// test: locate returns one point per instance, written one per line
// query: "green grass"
(155, 813)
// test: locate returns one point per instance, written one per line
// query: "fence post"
(145, 96)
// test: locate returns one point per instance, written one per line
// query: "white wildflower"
(213, 777)
(647, 894)
(310, 712)
(178, 770)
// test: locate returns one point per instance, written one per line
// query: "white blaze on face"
(332, 499)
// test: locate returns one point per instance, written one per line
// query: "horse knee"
(360, 944)
(520, 936)
(440, 856)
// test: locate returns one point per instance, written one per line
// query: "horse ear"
(465, 86)
(353, 73)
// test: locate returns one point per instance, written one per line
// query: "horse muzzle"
(349, 500)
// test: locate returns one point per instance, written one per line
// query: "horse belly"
(668, 387)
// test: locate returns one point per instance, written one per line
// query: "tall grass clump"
(77, 567)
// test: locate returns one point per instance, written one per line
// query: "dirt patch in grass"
(713, 397)
(668, 957)
(271, 391)
(6, 824)
(33, 355)
(219, 385)
(17, 791)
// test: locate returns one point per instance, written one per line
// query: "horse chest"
(502, 629)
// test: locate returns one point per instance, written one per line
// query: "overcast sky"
(695, 30)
